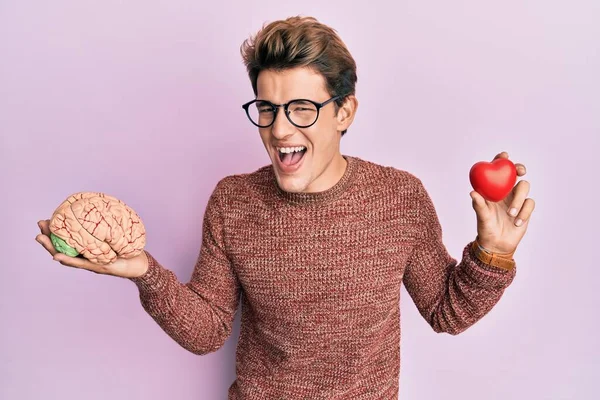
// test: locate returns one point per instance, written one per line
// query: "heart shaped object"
(493, 180)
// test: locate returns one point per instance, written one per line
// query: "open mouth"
(290, 155)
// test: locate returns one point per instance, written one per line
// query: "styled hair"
(302, 42)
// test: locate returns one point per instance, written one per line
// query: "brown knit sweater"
(319, 275)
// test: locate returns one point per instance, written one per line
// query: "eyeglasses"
(302, 113)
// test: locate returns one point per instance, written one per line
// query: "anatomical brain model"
(98, 227)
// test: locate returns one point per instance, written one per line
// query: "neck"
(332, 175)
(324, 194)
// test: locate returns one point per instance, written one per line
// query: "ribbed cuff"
(154, 278)
(487, 275)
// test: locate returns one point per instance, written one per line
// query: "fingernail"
(519, 222)
(513, 212)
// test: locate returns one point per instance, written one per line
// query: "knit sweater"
(318, 276)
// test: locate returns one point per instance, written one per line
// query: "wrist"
(140, 265)
(501, 260)
(488, 248)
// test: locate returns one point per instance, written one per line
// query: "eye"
(302, 106)
(263, 107)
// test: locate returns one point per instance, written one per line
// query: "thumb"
(479, 203)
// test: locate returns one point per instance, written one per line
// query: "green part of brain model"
(62, 246)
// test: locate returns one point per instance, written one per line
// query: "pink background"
(141, 100)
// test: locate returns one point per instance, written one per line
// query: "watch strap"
(504, 261)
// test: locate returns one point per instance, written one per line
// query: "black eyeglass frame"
(275, 107)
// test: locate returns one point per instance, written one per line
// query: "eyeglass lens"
(302, 113)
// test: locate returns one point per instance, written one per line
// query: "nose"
(281, 127)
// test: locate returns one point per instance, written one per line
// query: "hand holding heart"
(502, 208)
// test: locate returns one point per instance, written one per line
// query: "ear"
(346, 113)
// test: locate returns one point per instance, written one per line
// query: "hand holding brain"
(98, 227)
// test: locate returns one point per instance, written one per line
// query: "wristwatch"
(504, 261)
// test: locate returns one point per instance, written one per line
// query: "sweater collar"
(322, 197)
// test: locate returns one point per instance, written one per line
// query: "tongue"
(292, 158)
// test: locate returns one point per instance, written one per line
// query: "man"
(318, 244)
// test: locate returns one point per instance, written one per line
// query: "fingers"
(502, 154)
(521, 170)
(479, 204)
(44, 226)
(45, 241)
(76, 262)
(520, 206)
(525, 213)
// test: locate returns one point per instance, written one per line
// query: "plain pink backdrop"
(142, 100)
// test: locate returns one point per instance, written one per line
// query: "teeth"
(290, 149)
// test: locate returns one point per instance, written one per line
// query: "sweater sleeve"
(449, 294)
(199, 314)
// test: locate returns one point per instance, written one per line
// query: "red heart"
(493, 180)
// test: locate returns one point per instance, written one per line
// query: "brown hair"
(302, 42)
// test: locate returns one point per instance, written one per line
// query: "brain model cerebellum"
(98, 227)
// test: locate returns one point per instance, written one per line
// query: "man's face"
(321, 164)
